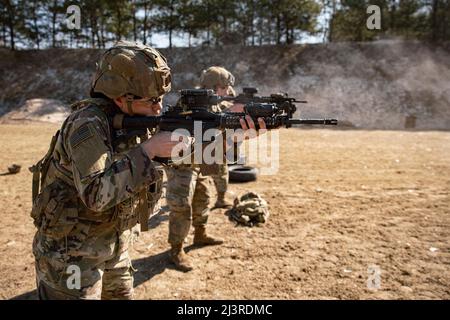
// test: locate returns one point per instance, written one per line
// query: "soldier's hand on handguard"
(250, 131)
(162, 144)
(248, 124)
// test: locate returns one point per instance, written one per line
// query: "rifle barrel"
(331, 122)
(136, 122)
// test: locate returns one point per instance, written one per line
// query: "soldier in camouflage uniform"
(221, 81)
(187, 191)
(96, 184)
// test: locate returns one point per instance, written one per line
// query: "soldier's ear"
(120, 102)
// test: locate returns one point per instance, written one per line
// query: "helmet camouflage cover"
(249, 209)
(216, 76)
(132, 68)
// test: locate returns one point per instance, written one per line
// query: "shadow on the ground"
(157, 219)
(151, 266)
(192, 247)
(30, 295)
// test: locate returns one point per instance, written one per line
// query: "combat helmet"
(216, 76)
(249, 209)
(131, 69)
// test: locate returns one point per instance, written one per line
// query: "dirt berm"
(382, 85)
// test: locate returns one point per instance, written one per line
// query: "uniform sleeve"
(101, 182)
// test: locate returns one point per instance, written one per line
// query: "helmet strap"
(130, 99)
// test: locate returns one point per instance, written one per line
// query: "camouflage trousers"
(102, 265)
(188, 198)
(221, 179)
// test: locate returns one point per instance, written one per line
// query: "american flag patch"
(82, 134)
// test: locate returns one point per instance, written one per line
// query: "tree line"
(408, 19)
(37, 24)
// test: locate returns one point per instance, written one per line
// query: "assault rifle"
(192, 113)
(276, 110)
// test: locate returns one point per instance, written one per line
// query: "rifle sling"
(39, 170)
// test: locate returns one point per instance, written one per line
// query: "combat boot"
(180, 258)
(202, 239)
(222, 202)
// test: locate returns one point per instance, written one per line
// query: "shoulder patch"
(82, 134)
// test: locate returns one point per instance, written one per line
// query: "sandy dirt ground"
(344, 203)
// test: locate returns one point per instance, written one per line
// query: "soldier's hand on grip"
(162, 144)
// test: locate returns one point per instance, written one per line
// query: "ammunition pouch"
(138, 208)
(127, 213)
(148, 199)
(55, 210)
(154, 192)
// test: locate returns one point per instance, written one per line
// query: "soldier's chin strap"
(130, 99)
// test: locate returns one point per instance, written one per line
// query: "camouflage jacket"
(89, 182)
